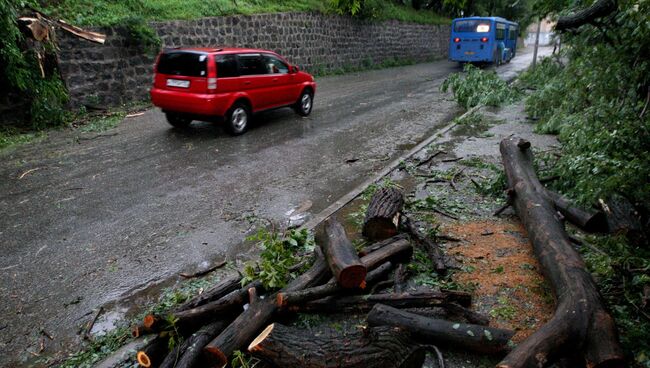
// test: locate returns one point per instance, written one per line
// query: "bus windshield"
(473, 25)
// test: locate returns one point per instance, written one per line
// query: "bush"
(141, 35)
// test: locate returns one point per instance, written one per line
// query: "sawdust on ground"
(497, 258)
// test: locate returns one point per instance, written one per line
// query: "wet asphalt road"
(87, 221)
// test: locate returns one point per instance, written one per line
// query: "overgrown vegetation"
(98, 348)
(281, 252)
(477, 87)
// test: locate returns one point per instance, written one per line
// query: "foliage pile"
(279, 257)
(44, 98)
(479, 87)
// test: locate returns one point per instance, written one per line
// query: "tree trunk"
(437, 331)
(193, 346)
(364, 303)
(341, 256)
(382, 216)
(369, 348)
(223, 288)
(191, 319)
(599, 9)
(331, 288)
(244, 328)
(380, 244)
(580, 322)
(154, 353)
(397, 251)
(432, 249)
(591, 221)
(624, 219)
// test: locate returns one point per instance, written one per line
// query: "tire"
(178, 120)
(238, 118)
(305, 103)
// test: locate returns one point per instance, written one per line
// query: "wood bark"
(588, 15)
(581, 322)
(364, 303)
(432, 249)
(369, 348)
(382, 216)
(191, 319)
(396, 251)
(400, 278)
(341, 256)
(224, 287)
(249, 323)
(330, 288)
(591, 221)
(476, 338)
(380, 244)
(192, 350)
(622, 218)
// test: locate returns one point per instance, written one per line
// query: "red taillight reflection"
(456, 39)
(484, 39)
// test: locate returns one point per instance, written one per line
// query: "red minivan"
(229, 84)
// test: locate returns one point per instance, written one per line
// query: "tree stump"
(382, 216)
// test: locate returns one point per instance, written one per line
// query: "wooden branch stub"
(382, 216)
(341, 256)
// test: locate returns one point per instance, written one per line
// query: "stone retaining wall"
(117, 73)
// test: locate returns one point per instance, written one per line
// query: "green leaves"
(479, 87)
(280, 253)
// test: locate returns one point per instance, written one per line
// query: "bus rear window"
(188, 64)
(479, 26)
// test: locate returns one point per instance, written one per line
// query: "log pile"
(344, 280)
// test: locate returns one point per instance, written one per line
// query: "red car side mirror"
(295, 69)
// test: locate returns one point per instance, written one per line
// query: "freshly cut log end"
(254, 346)
(219, 359)
(149, 320)
(143, 359)
(353, 276)
(383, 214)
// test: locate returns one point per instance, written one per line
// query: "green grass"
(111, 12)
(11, 137)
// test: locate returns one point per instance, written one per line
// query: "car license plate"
(178, 83)
(469, 52)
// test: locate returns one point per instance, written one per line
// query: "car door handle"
(247, 82)
(275, 79)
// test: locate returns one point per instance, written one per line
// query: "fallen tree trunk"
(369, 348)
(380, 244)
(581, 322)
(332, 287)
(223, 288)
(249, 323)
(191, 351)
(191, 319)
(341, 256)
(382, 216)
(476, 338)
(364, 303)
(591, 221)
(599, 9)
(154, 353)
(432, 249)
(623, 219)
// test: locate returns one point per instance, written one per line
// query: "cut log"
(364, 303)
(382, 216)
(397, 251)
(591, 221)
(154, 353)
(224, 287)
(468, 314)
(624, 219)
(476, 338)
(380, 244)
(432, 249)
(330, 288)
(191, 319)
(400, 278)
(369, 348)
(341, 256)
(248, 324)
(192, 350)
(599, 9)
(581, 322)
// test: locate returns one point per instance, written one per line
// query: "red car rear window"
(189, 64)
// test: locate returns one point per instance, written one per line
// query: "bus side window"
(501, 31)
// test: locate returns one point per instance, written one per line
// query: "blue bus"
(483, 40)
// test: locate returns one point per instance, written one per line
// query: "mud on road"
(88, 219)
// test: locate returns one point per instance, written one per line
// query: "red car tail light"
(212, 74)
(484, 39)
(457, 39)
